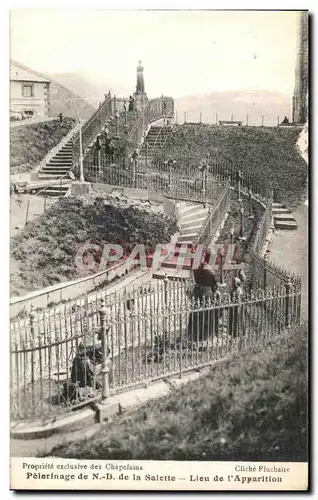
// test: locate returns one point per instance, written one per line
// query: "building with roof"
(29, 92)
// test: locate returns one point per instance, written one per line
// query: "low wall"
(72, 289)
(68, 290)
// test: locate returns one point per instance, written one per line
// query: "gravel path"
(290, 249)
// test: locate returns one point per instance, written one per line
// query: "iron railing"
(168, 184)
(93, 126)
(162, 107)
(152, 332)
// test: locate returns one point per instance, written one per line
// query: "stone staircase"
(191, 218)
(155, 139)
(283, 218)
(55, 168)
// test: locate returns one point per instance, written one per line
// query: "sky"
(183, 52)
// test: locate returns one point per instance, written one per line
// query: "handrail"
(161, 107)
(93, 126)
(56, 181)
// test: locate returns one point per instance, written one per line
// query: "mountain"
(89, 87)
(62, 99)
(255, 104)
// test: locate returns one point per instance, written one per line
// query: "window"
(27, 90)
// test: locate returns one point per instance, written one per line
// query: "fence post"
(250, 202)
(166, 284)
(265, 270)
(104, 371)
(204, 181)
(45, 202)
(232, 235)
(27, 212)
(287, 303)
(242, 230)
(32, 331)
(239, 178)
(222, 255)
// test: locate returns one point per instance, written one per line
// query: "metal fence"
(78, 352)
(162, 107)
(172, 185)
(92, 127)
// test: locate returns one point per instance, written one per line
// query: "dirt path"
(290, 249)
(18, 210)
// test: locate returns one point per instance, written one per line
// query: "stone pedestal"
(141, 100)
(82, 189)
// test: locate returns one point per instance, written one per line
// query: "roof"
(20, 74)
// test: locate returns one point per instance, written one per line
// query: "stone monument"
(140, 95)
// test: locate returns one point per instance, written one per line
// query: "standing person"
(60, 116)
(202, 323)
(236, 324)
(131, 103)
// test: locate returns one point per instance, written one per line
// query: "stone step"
(43, 176)
(194, 216)
(49, 168)
(58, 163)
(280, 211)
(187, 210)
(56, 167)
(187, 238)
(192, 223)
(190, 230)
(275, 204)
(62, 154)
(288, 225)
(283, 217)
(173, 262)
(171, 273)
(53, 173)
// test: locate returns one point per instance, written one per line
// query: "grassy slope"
(271, 151)
(29, 144)
(47, 246)
(252, 408)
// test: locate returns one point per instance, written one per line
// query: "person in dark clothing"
(60, 116)
(83, 369)
(131, 103)
(202, 324)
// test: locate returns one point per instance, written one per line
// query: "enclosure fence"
(83, 350)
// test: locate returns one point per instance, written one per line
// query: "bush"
(47, 246)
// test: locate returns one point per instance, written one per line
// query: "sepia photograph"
(159, 165)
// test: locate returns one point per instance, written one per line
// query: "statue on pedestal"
(140, 87)
(140, 95)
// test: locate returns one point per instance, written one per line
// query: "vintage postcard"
(159, 250)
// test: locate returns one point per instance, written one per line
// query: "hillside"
(251, 407)
(31, 143)
(92, 89)
(240, 103)
(62, 99)
(44, 251)
(270, 151)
